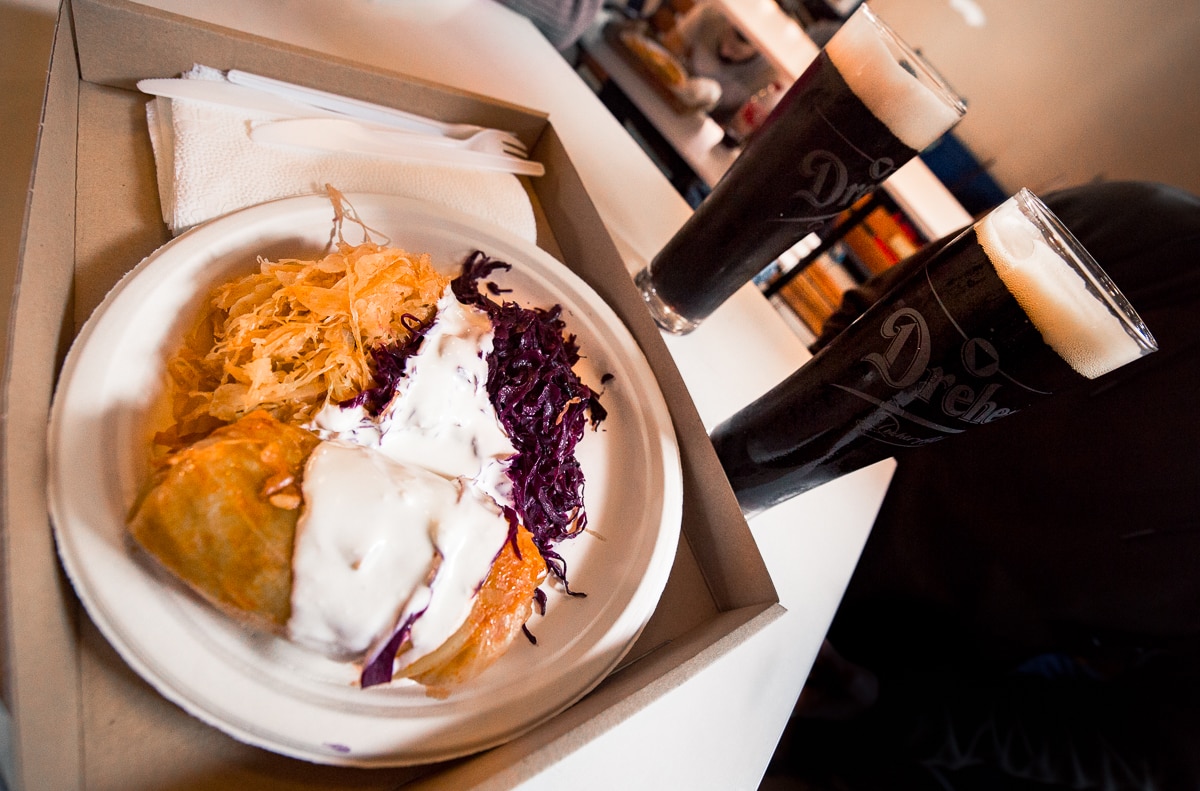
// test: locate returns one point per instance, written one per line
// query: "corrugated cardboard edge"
(122, 63)
(40, 609)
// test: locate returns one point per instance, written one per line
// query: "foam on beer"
(913, 111)
(1079, 327)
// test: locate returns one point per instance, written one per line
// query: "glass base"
(664, 315)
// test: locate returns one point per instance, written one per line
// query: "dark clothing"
(1029, 596)
(560, 21)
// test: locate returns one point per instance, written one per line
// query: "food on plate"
(221, 515)
(371, 460)
(666, 72)
(654, 57)
(295, 333)
(504, 604)
(543, 406)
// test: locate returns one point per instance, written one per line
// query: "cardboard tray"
(79, 716)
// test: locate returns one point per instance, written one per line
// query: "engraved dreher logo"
(827, 186)
(907, 356)
(948, 403)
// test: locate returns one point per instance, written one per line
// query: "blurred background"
(1059, 94)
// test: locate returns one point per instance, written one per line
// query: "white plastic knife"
(369, 111)
(344, 105)
(229, 95)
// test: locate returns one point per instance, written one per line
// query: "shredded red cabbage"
(390, 362)
(378, 669)
(541, 403)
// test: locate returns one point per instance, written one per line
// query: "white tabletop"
(719, 730)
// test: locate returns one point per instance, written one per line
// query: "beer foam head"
(1091, 332)
(876, 65)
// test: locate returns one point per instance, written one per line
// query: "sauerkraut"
(295, 334)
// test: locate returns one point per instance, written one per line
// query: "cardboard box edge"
(219, 47)
(40, 616)
(507, 766)
(571, 212)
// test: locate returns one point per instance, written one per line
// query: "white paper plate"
(266, 691)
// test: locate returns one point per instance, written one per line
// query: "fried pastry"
(221, 516)
(504, 604)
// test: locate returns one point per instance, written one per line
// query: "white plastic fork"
(355, 137)
(487, 141)
(480, 138)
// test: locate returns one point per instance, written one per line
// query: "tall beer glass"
(863, 108)
(1010, 311)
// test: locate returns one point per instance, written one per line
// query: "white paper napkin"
(208, 166)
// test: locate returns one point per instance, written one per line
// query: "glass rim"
(1072, 250)
(925, 71)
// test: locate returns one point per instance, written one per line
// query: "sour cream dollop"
(401, 514)
(379, 540)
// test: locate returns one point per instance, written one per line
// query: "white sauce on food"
(441, 416)
(401, 513)
(364, 542)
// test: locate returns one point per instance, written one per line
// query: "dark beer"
(991, 323)
(854, 117)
